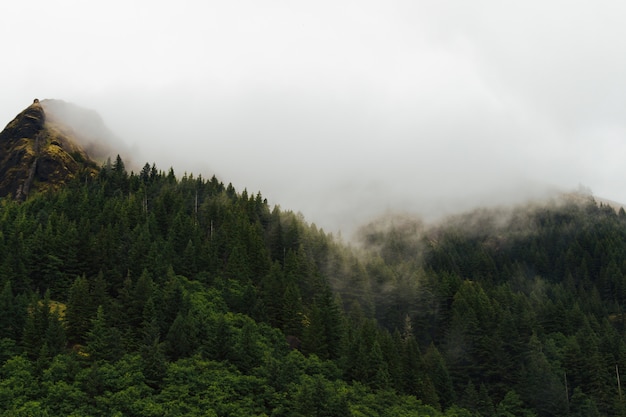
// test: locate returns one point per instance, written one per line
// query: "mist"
(345, 111)
(88, 128)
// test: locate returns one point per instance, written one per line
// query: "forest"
(144, 294)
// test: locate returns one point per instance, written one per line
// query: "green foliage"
(103, 341)
(512, 406)
(79, 311)
(145, 295)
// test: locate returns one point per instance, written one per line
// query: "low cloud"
(347, 111)
(87, 127)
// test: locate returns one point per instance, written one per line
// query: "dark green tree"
(291, 316)
(151, 349)
(436, 369)
(78, 314)
(247, 350)
(512, 406)
(181, 340)
(272, 290)
(12, 314)
(55, 336)
(103, 343)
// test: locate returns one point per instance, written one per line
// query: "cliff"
(38, 154)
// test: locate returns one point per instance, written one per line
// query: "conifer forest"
(147, 294)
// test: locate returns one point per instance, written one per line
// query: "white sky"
(342, 109)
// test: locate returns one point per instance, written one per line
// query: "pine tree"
(364, 360)
(36, 325)
(78, 314)
(291, 315)
(314, 334)
(485, 403)
(99, 294)
(469, 399)
(512, 406)
(248, 352)
(181, 340)
(276, 242)
(415, 379)
(539, 387)
(141, 293)
(583, 406)
(220, 343)
(170, 301)
(103, 343)
(55, 336)
(237, 266)
(331, 319)
(188, 266)
(438, 373)
(119, 179)
(272, 289)
(151, 349)
(393, 351)
(9, 314)
(31, 336)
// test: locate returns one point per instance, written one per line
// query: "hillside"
(39, 153)
(145, 294)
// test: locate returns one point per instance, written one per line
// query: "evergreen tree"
(181, 340)
(10, 314)
(512, 406)
(31, 336)
(220, 344)
(331, 320)
(55, 336)
(291, 315)
(540, 387)
(485, 403)
(247, 351)
(272, 289)
(415, 379)
(151, 349)
(583, 406)
(103, 341)
(78, 314)
(469, 398)
(36, 325)
(99, 293)
(437, 371)
(314, 334)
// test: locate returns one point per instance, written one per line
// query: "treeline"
(145, 294)
(527, 301)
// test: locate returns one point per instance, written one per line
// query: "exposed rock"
(37, 154)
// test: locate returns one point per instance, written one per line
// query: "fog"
(343, 110)
(88, 129)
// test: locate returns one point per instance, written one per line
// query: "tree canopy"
(145, 294)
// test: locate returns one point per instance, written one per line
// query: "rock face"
(36, 154)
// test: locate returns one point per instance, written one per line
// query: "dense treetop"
(144, 294)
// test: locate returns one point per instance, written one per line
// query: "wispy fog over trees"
(147, 294)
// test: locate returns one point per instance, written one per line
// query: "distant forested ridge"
(144, 294)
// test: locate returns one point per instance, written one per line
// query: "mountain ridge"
(39, 154)
(139, 293)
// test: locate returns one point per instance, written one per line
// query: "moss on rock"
(36, 155)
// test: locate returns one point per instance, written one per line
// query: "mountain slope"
(38, 154)
(145, 294)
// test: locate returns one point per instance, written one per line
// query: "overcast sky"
(342, 109)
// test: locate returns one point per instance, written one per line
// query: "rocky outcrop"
(36, 154)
